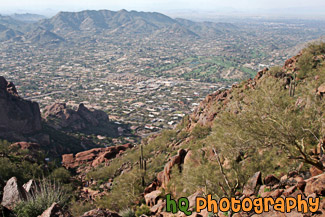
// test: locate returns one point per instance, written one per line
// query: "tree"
(270, 119)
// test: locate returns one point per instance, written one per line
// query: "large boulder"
(12, 194)
(55, 211)
(321, 90)
(316, 185)
(18, 117)
(271, 180)
(251, 186)
(152, 198)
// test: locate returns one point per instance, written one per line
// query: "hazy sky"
(160, 5)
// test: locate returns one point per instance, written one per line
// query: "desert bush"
(275, 70)
(42, 198)
(270, 120)
(308, 60)
(129, 185)
(78, 208)
(316, 48)
(127, 213)
(306, 64)
(200, 131)
(61, 175)
(142, 210)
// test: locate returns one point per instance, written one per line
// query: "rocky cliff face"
(59, 116)
(18, 117)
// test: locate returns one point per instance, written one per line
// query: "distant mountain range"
(28, 18)
(36, 29)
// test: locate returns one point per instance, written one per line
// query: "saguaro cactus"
(292, 88)
(143, 166)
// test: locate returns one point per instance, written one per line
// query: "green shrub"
(142, 210)
(182, 135)
(308, 61)
(127, 213)
(37, 202)
(200, 131)
(61, 175)
(306, 64)
(316, 48)
(275, 70)
(129, 185)
(78, 208)
(14, 162)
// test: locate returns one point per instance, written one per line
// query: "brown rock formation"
(76, 120)
(164, 176)
(93, 157)
(26, 146)
(316, 185)
(17, 116)
(252, 184)
(321, 90)
(271, 180)
(152, 198)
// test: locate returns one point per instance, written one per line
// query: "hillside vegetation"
(273, 123)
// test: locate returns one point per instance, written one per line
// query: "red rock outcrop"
(34, 154)
(17, 116)
(164, 176)
(152, 198)
(76, 120)
(252, 184)
(93, 157)
(316, 185)
(26, 146)
(321, 90)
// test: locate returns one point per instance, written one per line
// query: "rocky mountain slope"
(262, 138)
(18, 116)
(272, 123)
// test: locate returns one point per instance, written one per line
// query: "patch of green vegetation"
(200, 131)
(38, 201)
(78, 208)
(23, 164)
(142, 210)
(309, 59)
(261, 129)
(127, 213)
